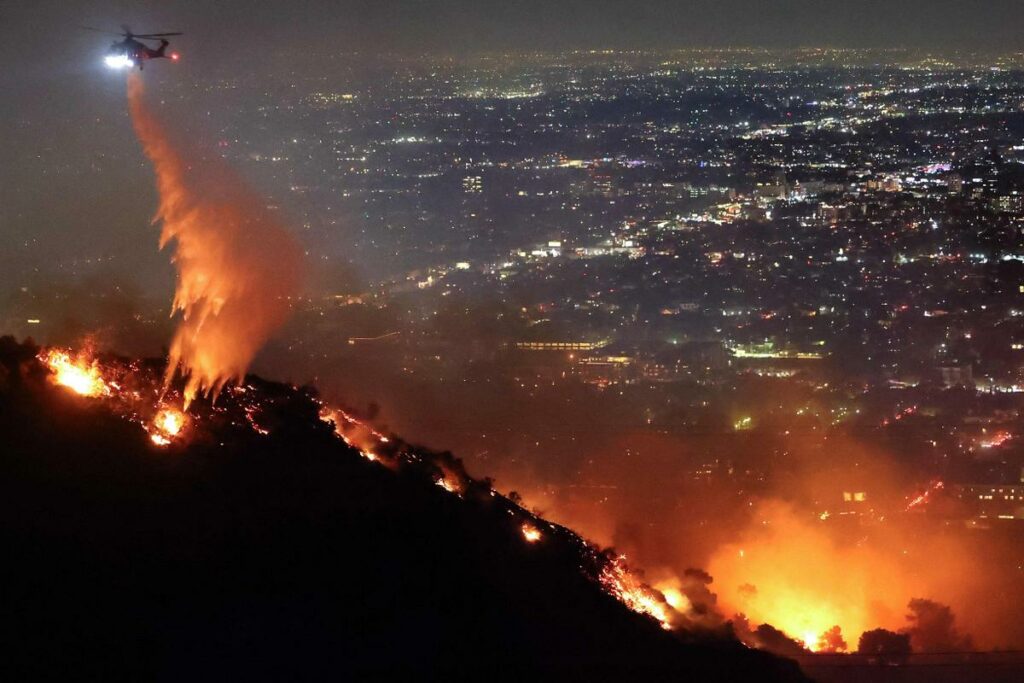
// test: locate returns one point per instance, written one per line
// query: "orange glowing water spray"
(238, 267)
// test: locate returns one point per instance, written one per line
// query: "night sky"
(417, 25)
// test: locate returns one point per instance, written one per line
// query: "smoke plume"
(237, 265)
(933, 628)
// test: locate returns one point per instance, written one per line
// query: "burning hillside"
(817, 611)
(268, 529)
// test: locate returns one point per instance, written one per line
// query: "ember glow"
(996, 440)
(80, 374)
(530, 533)
(354, 432)
(238, 268)
(167, 425)
(921, 499)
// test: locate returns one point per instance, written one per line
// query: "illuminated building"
(560, 345)
(993, 501)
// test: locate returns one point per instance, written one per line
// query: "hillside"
(265, 547)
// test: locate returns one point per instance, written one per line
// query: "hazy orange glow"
(81, 375)
(788, 572)
(674, 595)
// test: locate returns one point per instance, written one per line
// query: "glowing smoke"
(237, 266)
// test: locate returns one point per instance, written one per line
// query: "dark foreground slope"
(287, 556)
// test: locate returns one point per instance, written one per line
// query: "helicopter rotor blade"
(99, 30)
(156, 35)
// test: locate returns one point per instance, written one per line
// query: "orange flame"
(791, 574)
(448, 484)
(353, 432)
(167, 424)
(633, 593)
(531, 533)
(674, 595)
(237, 266)
(81, 375)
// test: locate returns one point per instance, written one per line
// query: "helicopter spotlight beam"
(118, 62)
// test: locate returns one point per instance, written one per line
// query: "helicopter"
(131, 52)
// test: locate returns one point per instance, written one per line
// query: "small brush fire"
(167, 425)
(353, 432)
(126, 387)
(531, 533)
(922, 499)
(136, 391)
(79, 374)
(625, 585)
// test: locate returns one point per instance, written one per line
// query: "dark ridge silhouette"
(241, 556)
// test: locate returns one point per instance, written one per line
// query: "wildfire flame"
(531, 533)
(620, 582)
(675, 597)
(80, 374)
(795, 575)
(448, 485)
(167, 424)
(85, 376)
(355, 433)
(170, 421)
